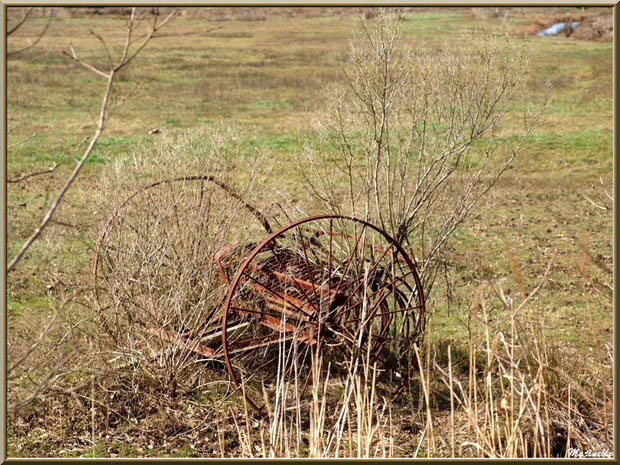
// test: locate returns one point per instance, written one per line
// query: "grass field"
(265, 78)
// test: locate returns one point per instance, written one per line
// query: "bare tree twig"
(32, 43)
(17, 144)
(602, 207)
(74, 57)
(126, 57)
(105, 47)
(20, 22)
(51, 169)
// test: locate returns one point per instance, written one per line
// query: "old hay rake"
(188, 265)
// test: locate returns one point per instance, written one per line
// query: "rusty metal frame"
(411, 263)
(284, 302)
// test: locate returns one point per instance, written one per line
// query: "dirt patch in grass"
(592, 26)
(596, 28)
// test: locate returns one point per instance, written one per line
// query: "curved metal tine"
(371, 316)
(357, 288)
(351, 257)
(264, 311)
(326, 275)
(399, 278)
(252, 278)
(297, 285)
(325, 266)
(313, 247)
(331, 235)
(369, 312)
(305, 294)
(243, 289)
(403, 268)
(317, 305)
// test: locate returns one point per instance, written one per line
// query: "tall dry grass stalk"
(343, 412)
(507, 393)
(525, 402)
(505, 390)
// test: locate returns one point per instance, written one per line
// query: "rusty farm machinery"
(199, 269)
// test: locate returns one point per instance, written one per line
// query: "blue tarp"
(557, 28)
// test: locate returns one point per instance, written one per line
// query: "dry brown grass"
(506, 391)
(521, 399)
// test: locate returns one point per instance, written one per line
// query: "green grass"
(243, 72)
(32, 304)
(266, 78)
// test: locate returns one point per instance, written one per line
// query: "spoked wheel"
(316, 298)
(155, 281)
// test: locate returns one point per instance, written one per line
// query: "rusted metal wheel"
(330, 286)
(155, 281)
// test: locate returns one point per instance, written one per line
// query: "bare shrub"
(413, 139)
(158, 286)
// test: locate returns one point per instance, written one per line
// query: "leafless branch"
(20, 22)
(51, 169)
(32, 42)
(74, 56)
(126, 57)
(17, 144)
(603, 198)
(602, 207)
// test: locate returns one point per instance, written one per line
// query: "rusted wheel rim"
(330, 282)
